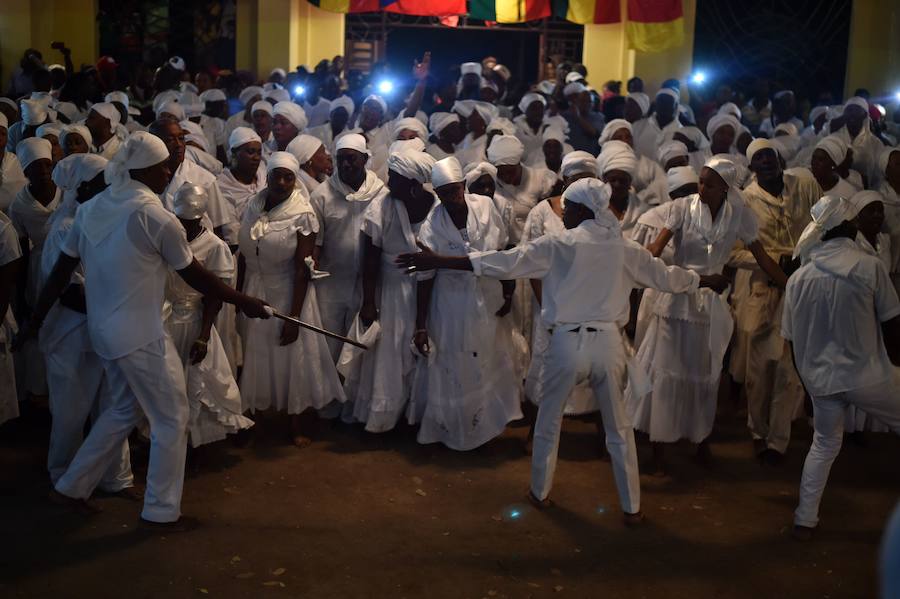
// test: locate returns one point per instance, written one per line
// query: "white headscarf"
(412, 165)
(835, 147)
(213, 95)
(503, 125)
(171, 107)
(670, 150)
(248, 93)
(192, 104)
(816, 112)
(242, 135)
(476, 170)
(48, 129)
(117, 96)
(679, 176)
(277, 95)
(884, 158)
(411, 123)
(668, 91)
(576, 87)
(34, 112)
(407, 145)
(730, 108)
(283, 160)
(611, 127)
(378, 100)
(345, 102)
(68, 110)
(303, 147)
(31, 149)
(190, 202)
(789, 128)
(554, 132)
(470, 68)
(720, 120)
(141, 150)
(439, 120)
(487, 111)
(351, 141)
(80, 130)
(828, 213)
(109, 112)
(594, 194)
(642, 100)
(263, 105)
(505, 150)
(758, 144)
(162, 97)
(446, 171)
(293, 113)
(529, 99)
(574, 76)
(617, 155)
(577, 162)
(72, 171)
(861, 199)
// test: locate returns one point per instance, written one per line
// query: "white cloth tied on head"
(476, 170)
(141, 150)
(277, 95)
(617, 156)
(293, 113)
(303, 147)
(788, 128)
(412, 165)
(721, 120)
(108, 111)
(546, 87)
(679, 176)
(241, 136)
(730, 108)
(72, 171)
(835, 147)
(411, 123)
(470, 68)
(162, 97)
(117, 96)
(554, 132)
(283, 160)
(264, 106)
(345, 102)
(857, 101)
(407, 145)
(503, 125)
(48, 129)
(80, 130)
(485, 110)
(191, 127)
(816, 112)
(248, 93)
(377, 100)
(11, 103)
(505, 150)
(192, 104)
(529, 99)
(578, 162)
(446, 171)
(351, 141)
(439, 120)
(70, 111)
(574, 76)
(31, 149)
(594, 194)
(213, 95)
(173, 108)
(758, 144)
(187, 86)
(34, 112)
(828, 213)
(576, 87)
(611, 127)
(190, 202)
(177, 63)
(486, 84)
(863, 198)
(4, 122)
(670, 150)
(642, 100)
(668, 91)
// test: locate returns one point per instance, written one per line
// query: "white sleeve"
(653, 273)
(787, 317)
(529, 261)
(887, 306)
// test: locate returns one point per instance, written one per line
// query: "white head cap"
(411, 123)
(617, 155)
(351, 141)
(250, 92)
(303, 147)
(828, 213)
(446, 171)
(505, 150)
(283, 160)
(31, 149)
(412, 165)
(578, 162)
(589, 192)
(476, 170)
(293, 113)
(190, 202)
(439, 120)
(242, 135)
(117, 96)
(679, 176)
(72, 171)
(142, 149)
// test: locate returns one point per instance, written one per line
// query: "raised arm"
(420, 73)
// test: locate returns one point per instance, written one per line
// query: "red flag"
(428, 8)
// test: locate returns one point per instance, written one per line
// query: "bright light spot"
(897, 96)
(698, 78)
(299, 90)
(515, 514)
(601, 510)
(385, 87)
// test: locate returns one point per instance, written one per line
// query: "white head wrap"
(670, 150)
(263, 105)
(81, 130)
(835, 147)
(10, 103)
(446, 171)
(187, 86)
(48, 129)
(72, 171)
(31, 149)
(345, 102)
(278, 71)
(470, 68)
(546, 87)
(411, 123)
(642, 100)
(120, 97)
(4, 122)
(439, 120)
(758, 144)
(863, 198)
(248, 93)
(190, 202)
(192, 104)
(162, 97)
(728, 171)
(816, 112)
(303, 147)
(487, 111)
(828, 213)
(292, 112)
(68, 110)
(378, 100)
(34, 112)
(505, 150)
(611, 127)
(529, 99)
(721, 120)
(412, 165)
(191, 127)
(351, 141)
(240, 136)
(177, 63)
(592, 193)
(574, 76)
(617, 155)
(576, 87)
(578, 162)
(692, 133)
(213, 95)
(476, 170)
(730, 108)
(554, 132)
(884, 158)
(283, 160)
(857, 101)
(486, 84)
(789, 128)
(277, 95)
(193, 132)
(679, 176)
(109, 112)
(668, 91)
(142, 149)
(503, 125)
(407, 145)
(171, 107)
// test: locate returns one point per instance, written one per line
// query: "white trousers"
(774, 395)
(594, 353)
(148, 381)
(75, 380)
(882, 401)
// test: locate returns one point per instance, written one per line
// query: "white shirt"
(833, 309)
(318, 114)
(218, 211)
(535, 185)
(12, 179)
(108, 150)
(10, 251)
(214, 131)
(125, 272)
(60, 320)
(648, 135)
(577, 286)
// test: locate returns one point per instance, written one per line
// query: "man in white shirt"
(127, 241)
(842, 316)
(585, 302)
(650, 133)
(101, 121)
(317, 108)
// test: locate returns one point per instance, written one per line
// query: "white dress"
(300, 375)
(542, 220)
(688, 334)
(465, 392)
(9, 402)
(378, 393)
(12, 179)
(213, 397)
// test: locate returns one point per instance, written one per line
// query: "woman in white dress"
(688, 334)
(314, 160)
(379, 389)
(889, 166)
(466, 392)
(827, 155)
(284, 367)
(213, 396)
(12, 179)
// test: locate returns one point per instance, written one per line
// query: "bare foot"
(85, 507)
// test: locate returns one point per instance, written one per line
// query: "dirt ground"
(357, 515)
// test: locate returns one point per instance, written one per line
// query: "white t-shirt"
(318, 114)
(833, 310)
(125, 274)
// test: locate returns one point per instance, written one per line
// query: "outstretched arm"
(209, 284)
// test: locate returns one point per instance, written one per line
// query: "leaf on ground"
(279, 571)
(204, 591)
(245, 575)
(235, 559)
(534, 585)
(231, 490)
(558, 588)
(421, 493)
(416, 480)
(273, 583)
